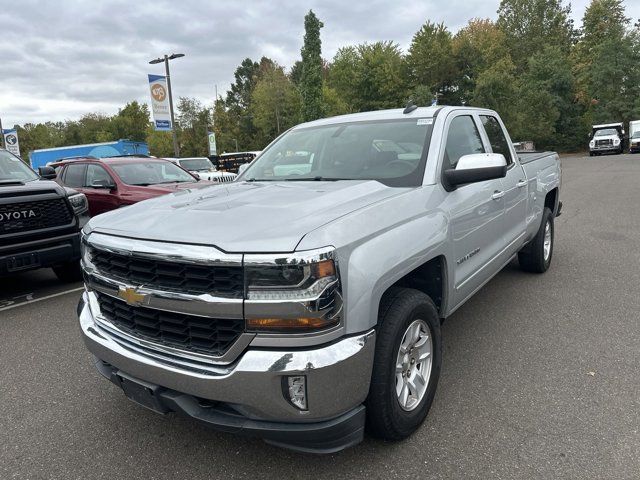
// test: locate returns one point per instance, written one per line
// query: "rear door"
(476, 210)
(514, 185)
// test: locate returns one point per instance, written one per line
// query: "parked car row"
(40, 221)
(41, 214)
(115, 182)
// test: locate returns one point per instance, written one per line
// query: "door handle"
(497, 195)
(521, 183)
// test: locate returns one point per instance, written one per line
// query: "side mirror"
(105, 183)
(476, 167)
(242, 168)
(48, 173)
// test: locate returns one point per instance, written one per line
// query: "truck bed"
(527, 157)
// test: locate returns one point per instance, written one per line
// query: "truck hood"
(35, 187)
(243, 216)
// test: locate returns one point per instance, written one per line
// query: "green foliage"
(607, 64)
(431, 63)
(477, 47)
(369, 76)
(311, 77)
(275, 104)
(531, 25)
(193, 124)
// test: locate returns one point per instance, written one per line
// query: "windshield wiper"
(315, 179)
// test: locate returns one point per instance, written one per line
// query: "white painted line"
(47, 297)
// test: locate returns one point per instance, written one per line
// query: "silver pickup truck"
(309, 303)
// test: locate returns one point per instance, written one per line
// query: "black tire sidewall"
(399, 423)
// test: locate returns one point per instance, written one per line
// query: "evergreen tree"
(311, 78)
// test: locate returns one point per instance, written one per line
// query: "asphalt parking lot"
(540, 379)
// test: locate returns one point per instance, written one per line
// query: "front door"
(476, 212)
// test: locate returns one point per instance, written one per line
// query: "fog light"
(297, 391)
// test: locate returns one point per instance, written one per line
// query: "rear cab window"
(497, 138)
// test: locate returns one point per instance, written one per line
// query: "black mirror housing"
(48, 173)
(453, 177)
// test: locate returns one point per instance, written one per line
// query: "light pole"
(176, 148)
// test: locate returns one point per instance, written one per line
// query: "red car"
(115, 182)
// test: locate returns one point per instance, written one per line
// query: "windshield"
(14, 169)
(636, 134)
(151, 173)
(389, 151)
(606, 131)
(196, 164)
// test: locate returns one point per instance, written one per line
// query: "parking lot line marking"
(46, 297)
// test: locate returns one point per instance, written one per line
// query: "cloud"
(63, 59)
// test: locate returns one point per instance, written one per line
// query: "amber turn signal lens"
(286, 323)
(325, 268)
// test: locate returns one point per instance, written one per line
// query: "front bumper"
(45, 252)
(337, 374)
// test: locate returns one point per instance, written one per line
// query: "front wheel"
(536, 256)
(406, 366)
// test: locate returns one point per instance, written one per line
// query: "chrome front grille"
(220, 281)
(604, 143)
(212, 336)
(170, 297)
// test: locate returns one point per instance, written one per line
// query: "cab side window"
(463, 138)
(497, 138)
(74, 175)
(97, 174)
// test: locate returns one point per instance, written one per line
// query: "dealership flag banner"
(160, 102)
(11, 141)
(212, 144)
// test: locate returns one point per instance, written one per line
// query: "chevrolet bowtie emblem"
(131, 296)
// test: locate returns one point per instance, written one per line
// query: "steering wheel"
(408, 165)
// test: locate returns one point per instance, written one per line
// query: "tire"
(591, 154)
(532, 258)
(399, 309)
(69, 272)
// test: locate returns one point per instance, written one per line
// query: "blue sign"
(163, 124)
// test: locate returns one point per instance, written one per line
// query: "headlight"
(298, 292)
(592, 143)
(79, 203)
(616, 141)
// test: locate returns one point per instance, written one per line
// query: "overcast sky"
(60, 60)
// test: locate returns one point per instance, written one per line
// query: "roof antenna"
(410, 107)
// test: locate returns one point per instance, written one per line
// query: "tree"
(132, 122)
(496, 88)
(369, 76)
(193, 124)
(550, 85)
(431, 62)
(311, 78)
(476, 47)
(531, 25)
(607, 64)
(275, 105)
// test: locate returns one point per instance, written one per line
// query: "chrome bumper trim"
(203, 305)
(338, 374)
